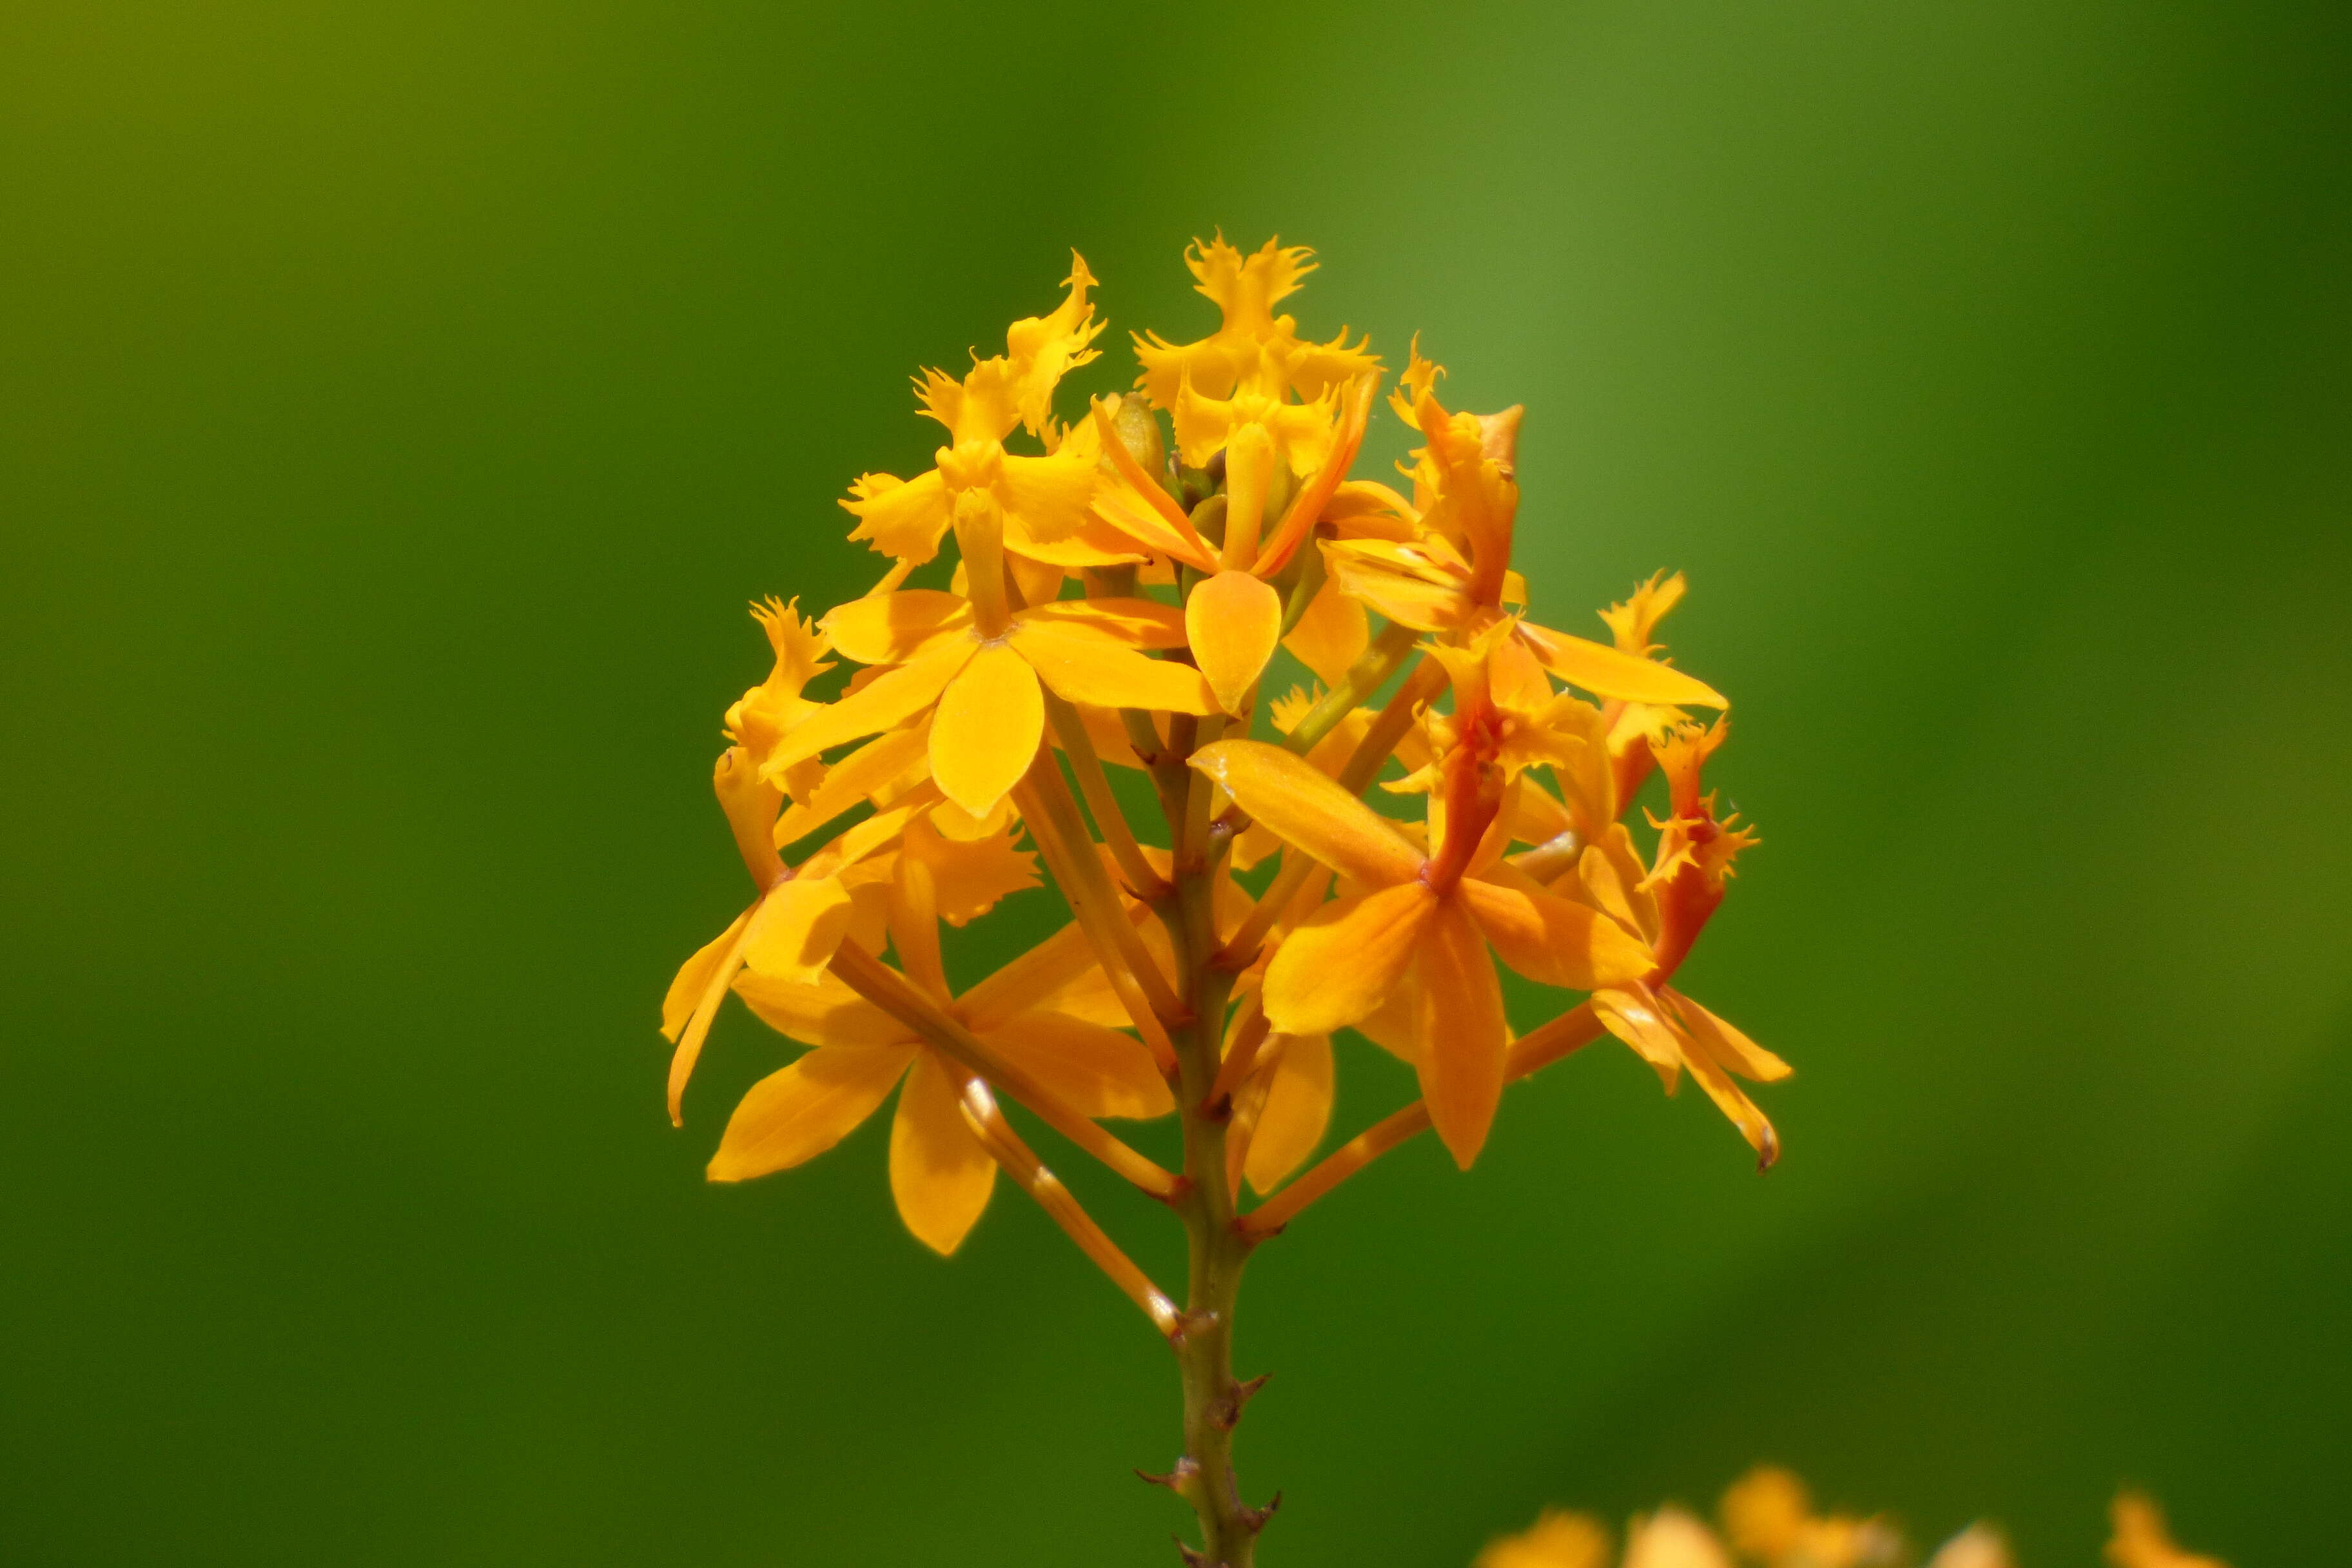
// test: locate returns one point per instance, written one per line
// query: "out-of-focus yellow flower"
(1671, 1538)
(1768, 1515)
(2142, 1539)
(1978, 1546)
(1558, 1539)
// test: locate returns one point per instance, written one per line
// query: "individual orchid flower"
(1041, 497)
(1455, 577)
(1425, 921)
(1667, 904)
(797, 917)
(1245, 289)
(976, 666)
(1633, 625)
(940, 1171)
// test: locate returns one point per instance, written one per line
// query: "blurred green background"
(398, 405)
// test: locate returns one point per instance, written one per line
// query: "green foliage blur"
(399, 403)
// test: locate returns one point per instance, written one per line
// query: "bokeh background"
(398, 405)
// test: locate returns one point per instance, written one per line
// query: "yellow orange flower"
(2142, 1539)
(1768, 1516)
(1558, 1539)
(1455, 575)
(1042, 498)
(1667, 904)
(941, 1173)
(1425, 921)
(978, 676)
(1251, 344)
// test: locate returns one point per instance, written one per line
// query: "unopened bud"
(1138, 431)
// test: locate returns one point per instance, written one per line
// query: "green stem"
(1368, 675)
(1219, 1249)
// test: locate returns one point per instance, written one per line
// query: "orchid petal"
(796, 1114)
(1304, 807)
(941, 1174)
(1463, 1036)
(985, 733)
(1233, 621)
(1086, 666)
(1346, 959)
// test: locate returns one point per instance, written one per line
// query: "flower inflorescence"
(1121, 584)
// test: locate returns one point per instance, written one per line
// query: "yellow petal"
(1633, 1014)
(885, 703)
(1725, 1044)
(1039, 580)
(1297, 1111)
(1306, 507)
(970, 876)
(1294, 798)
(822, 1012)
(1137, 505)
(1344, 961)
(793, 1115)
(1138, 623)
(1249, 470)
(1605, 672)
(797, 927)
(1550, 939)
(1025, 982)
(939, 1173)
(1093, 1071)
(1049, 495)
(687, 1012)
(1408, 599)
(1136, 516)
(1093, 997)
(1390, 1024)
(888, 629)
(1740, 1111)
(1094, 543)
(904, 518)
(694, 977)
(1200, 425)
(984, 735)
(873, 834)
(1331, 636)
(1463, 1037)
(1087, 667)
(855, 779)
(1231, 621)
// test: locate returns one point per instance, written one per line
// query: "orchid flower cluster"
(1769, 1522)
(1120, 584)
